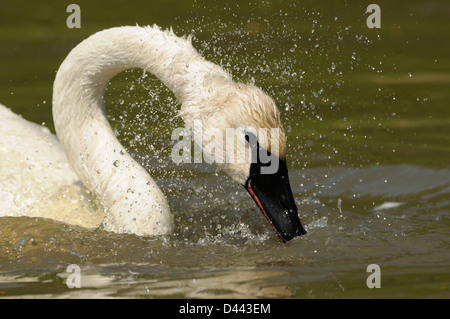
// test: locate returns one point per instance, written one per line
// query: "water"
(368, 124)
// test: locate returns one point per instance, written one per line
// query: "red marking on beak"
(258, 202)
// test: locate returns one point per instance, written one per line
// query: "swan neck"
(171, 59)
(130, 195)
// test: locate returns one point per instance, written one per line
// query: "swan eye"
(259, 154)
(251, 139)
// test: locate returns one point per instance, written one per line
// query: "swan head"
(252, 151)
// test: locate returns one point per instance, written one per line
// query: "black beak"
(273, 195)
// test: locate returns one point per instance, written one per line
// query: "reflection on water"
(106, 281)
(368, 125)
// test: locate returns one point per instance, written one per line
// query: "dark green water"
(368, 122)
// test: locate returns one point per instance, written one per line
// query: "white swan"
(34, 165)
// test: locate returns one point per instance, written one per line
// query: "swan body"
(37, 167)
(36, 179)
(89, 154)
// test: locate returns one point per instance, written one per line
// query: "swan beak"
(273, 195)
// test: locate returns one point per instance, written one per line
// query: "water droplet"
(116, 163)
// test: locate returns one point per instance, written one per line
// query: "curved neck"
(133, 201)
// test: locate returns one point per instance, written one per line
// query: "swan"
(85, 151)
